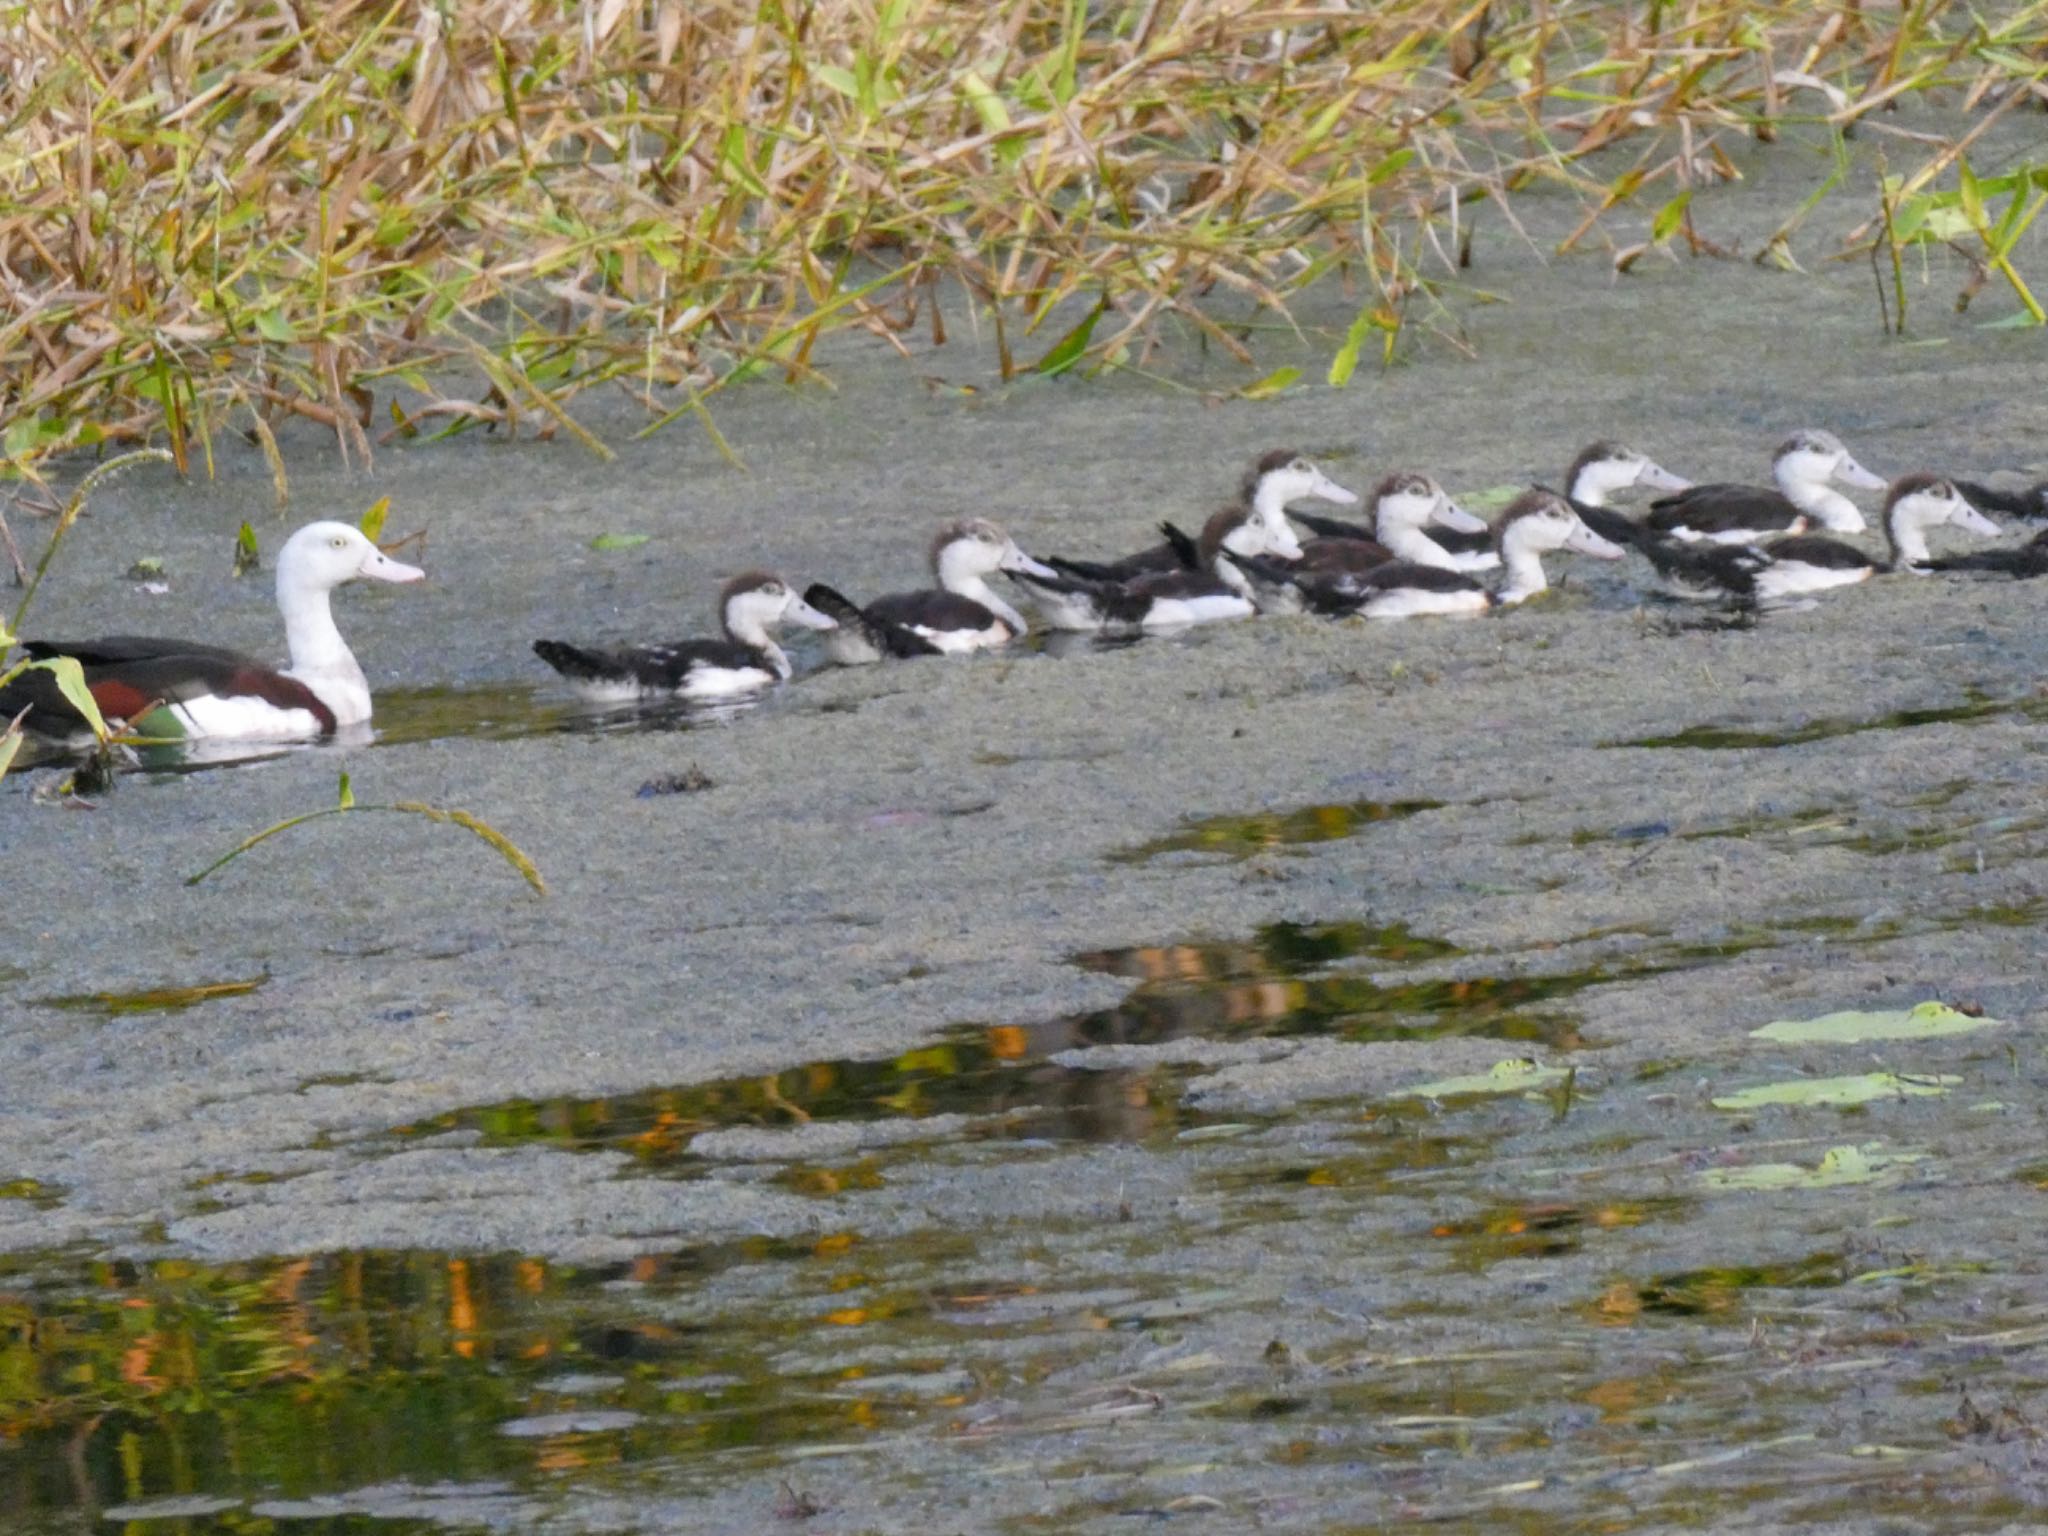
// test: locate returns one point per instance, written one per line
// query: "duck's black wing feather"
(935, 610)
(2028, 560)
(1282, 585)
(121, 650)
(1160, 557)
(1475, 542)
(1709, 509)
(1331, 527)
(1615, 527)
(883, 633)
(653, 667)
(1115, 602)
(1407, 575)
(2031, 502)
(1185, 550)
(1731, 568)
(1819, 550)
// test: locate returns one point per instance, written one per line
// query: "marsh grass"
(216, 215)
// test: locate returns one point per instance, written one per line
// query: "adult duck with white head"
(188, 689)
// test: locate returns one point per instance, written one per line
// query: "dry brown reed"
(214, 213)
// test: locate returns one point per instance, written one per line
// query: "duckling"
(1412, 520)
(959, 616)
(1279, 477)
(1740, 514)
(1536, 523)
(1214, 590)
(1914, 505)
(751, 607)
(1604, 469)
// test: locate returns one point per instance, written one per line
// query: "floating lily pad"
(619, 540)
(1927, 1021)
(1837, 1092)
(1841, 1165)
(1517, 1075)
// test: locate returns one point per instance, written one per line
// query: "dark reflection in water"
(1276, 984)
(1239, 837)
(288, 1379)
(1976, 707)
(509, 711)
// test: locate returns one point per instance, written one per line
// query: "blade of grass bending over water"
(346, 805)
(285, 210)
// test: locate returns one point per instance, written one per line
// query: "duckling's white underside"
(964, 642)
(1788, 578)
(1730, 535)
(1415, 603)
(1180, 612)
(699, 683)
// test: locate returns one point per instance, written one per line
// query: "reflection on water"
(1240, 837)
(509, 711)
(482, 712)
(293, 1378)
(1976, 707)
(1278, 983)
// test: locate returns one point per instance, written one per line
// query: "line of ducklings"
(1422, 555)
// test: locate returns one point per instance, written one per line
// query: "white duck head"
(1283, 476)
(966, 553)
(314, 561)
(1603, 469)
(1917, 504)
(1803, 466)
(1537, 523)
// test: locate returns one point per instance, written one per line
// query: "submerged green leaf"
(372, 523)
(1492, 499)
(1842, 1165)
(1926, 1021)
(1274, 383)
(1517, 1075)
(619, 540)
(1837, 1092)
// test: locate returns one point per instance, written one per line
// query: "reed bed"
(216, 213)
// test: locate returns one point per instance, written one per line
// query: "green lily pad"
(1841, 1165)
(1517, 1075)
(1927, 1021)
(619, 540)
(1837, 1092)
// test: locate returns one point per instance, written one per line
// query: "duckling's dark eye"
(338, 542)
